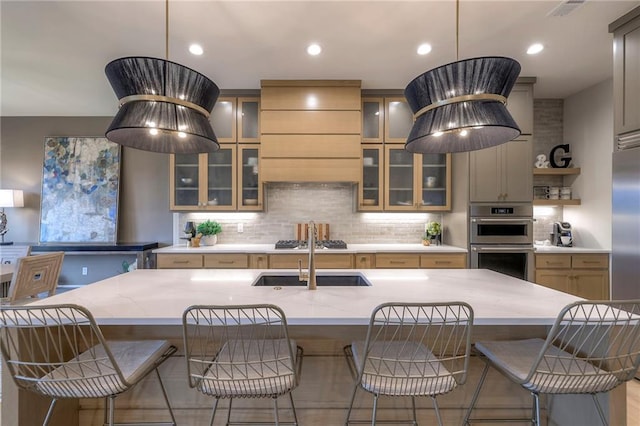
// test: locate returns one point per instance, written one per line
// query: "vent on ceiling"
(566, 7)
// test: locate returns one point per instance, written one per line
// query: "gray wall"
(144, 194)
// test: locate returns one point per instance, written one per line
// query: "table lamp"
(8, 198)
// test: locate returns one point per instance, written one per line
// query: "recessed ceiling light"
(196, 49)
(424, 48)
(314, 49)
(535, 49)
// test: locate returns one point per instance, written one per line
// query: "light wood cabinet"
(502, 173)
(259, 261)
(364, 261)
(179, 261)
(204, 181)
(416, 182)
(250, 197)
(323, 261)
(626, 72)
(583, 275)
(370, 194)
(236, 119)
(226, 261)
(398, 119)
(443, 261)
(372, 120)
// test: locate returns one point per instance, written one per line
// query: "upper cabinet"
(373, 120)
(626, 72)
(504, 172)
(398, 120)
(236, 119)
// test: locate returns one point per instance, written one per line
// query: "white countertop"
(270, 249)
(569, 250)
(158, 297)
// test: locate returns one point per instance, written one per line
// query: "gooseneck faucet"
(310, 274)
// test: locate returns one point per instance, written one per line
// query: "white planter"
(209, 240)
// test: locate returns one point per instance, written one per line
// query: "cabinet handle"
(180, 262)
(442, 262)
(226, 262)
(554, 263)
(397, 262)
(591, 262)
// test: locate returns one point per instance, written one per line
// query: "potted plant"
(209, 230)
(433, 230)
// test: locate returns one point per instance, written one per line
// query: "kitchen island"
(149, 304)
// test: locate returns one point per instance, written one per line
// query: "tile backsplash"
(332, 203)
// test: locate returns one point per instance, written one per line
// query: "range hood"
(310, 131)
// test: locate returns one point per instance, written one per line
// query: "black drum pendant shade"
(164, 106)
(461, 106)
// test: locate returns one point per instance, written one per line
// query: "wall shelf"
(573, 202)
(557, 171)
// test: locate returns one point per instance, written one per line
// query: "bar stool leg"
(375, 408)
(275, 410)
(50, 411)
(476, 393)
(213, 412)
(435, 404)
(293, 408)
(413, 408)
(229, 412)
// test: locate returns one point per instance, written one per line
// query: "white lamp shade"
(11, 198)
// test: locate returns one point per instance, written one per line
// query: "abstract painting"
(80, 184)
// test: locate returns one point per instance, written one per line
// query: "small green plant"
(209, 227)
(433, 229)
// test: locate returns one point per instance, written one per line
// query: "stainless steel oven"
(501, 239)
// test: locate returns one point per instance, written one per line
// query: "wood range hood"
(310, 130)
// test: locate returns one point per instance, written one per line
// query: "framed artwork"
(80, 186)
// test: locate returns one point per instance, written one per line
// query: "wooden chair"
(411, 350)
(9, 256)
(35, 275)
(59, 351)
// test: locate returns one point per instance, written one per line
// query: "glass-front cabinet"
(248, 116)
(416, 182)
(371, 193)
(204, 181)
(398, 120)
(223, 119)
(250, 193)
(372, 120)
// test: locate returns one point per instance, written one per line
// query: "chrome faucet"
(310, 274)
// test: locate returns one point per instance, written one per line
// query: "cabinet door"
(372, 120)
(434, 182)
(520, 105)
(223, 119)
(590, 284)
(186, 178)
(400, 179)
(258, 261)
(370, 194)
(364, 261)
(220, 191)
(179, 261)
(248, 120)
(485, 175)
(557, 279)
(626, 77)
(398, 120)
(249, 183)
(517, 173)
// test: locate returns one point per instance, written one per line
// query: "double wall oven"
(501, 239)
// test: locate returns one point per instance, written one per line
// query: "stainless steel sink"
(323, 280)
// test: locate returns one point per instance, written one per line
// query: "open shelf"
(573, 202)
(557, 171)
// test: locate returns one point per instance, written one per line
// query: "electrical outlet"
(240, 227)
(85, 270)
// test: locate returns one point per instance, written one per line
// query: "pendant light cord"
(457, 30)
(166, 30)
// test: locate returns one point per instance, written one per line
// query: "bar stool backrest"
(35, 275)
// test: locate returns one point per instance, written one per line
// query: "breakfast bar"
(149, 304)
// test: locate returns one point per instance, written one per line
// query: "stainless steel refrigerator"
(625, 261)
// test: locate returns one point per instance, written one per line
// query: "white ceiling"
(53, 52)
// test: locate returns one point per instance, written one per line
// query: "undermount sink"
(322, 280)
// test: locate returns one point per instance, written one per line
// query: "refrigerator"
(625, 255)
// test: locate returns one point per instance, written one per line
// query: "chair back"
(592, 347)
(417, 348)
(35, 275)
(236, 351)
(58, 351)
(10, 254)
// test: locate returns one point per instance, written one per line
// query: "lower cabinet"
(583, 275)
(179, 261)
(226, 261)
(398, 260)
(443, 261)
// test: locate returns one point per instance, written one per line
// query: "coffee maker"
(561, 235)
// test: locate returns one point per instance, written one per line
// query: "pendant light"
(164, 106)
(461, 106)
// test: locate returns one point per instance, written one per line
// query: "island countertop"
(270, 249)
(159, 297)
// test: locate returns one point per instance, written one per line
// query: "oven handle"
(510, 249)
(502, 220)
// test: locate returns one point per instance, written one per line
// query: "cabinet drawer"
(443, 261)
(324, 261)
(231, 260)
(397, 260)
(553, 261)
(591, 261)
(179, 261)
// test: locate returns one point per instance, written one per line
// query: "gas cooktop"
(303, 244)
